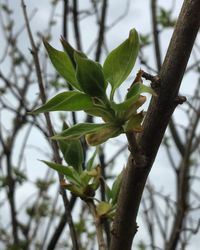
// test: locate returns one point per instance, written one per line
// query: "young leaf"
(85, 178)
(100, 112)
(132, 96)
(108, 192)
(70, 50)
(96, 180)
(121, 60)
(68, 171)
(79, 130)
(132, 110)
(90, 76)
(103, 208)
(76, 190)
(103, 135)
(139, 88)
(90, 163)
(73, 153)
(92, 175)
(134, 124)
(116, 187)
(62, 64)
(66, 101)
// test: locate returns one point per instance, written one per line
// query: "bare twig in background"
(102, 27)
(65, 18)
(155, 33)
(49, 124)
(76, 24)
(18, 83)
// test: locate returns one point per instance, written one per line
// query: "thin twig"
(156, 33)
(172, 127)
(106, 223)
(76, 24)
(65, 18)
(54, 144)
(102, 27)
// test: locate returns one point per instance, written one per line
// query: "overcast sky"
(138, 16)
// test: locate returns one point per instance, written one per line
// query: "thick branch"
(172, 127)
(157, 119)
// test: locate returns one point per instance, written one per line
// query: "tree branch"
(76, 24)
(176, 137)
(61, 225)
(183, 188)
(101, 30)
(65, 18)
(172, 127)
(155, 33)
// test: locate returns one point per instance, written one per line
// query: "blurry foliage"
(165, 18)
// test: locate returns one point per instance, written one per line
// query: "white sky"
(138, 17)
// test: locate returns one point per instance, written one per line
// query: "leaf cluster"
(90, 80)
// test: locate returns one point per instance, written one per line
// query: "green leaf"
(62, 64)
(103, 135)
(96, 179)
(90, 163)
(90, 76)
(68, 171)
(103, 208)
(134, 124)
(132, 96)
(85, 178)
(108, 192)
(116, 187)
(165, 18)
(66, 101)
(132, 110)
(71, 51)
(121, 60)
(76, 190)
(79, 130)
(100, 112)
(139, 88)
(73, 153)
